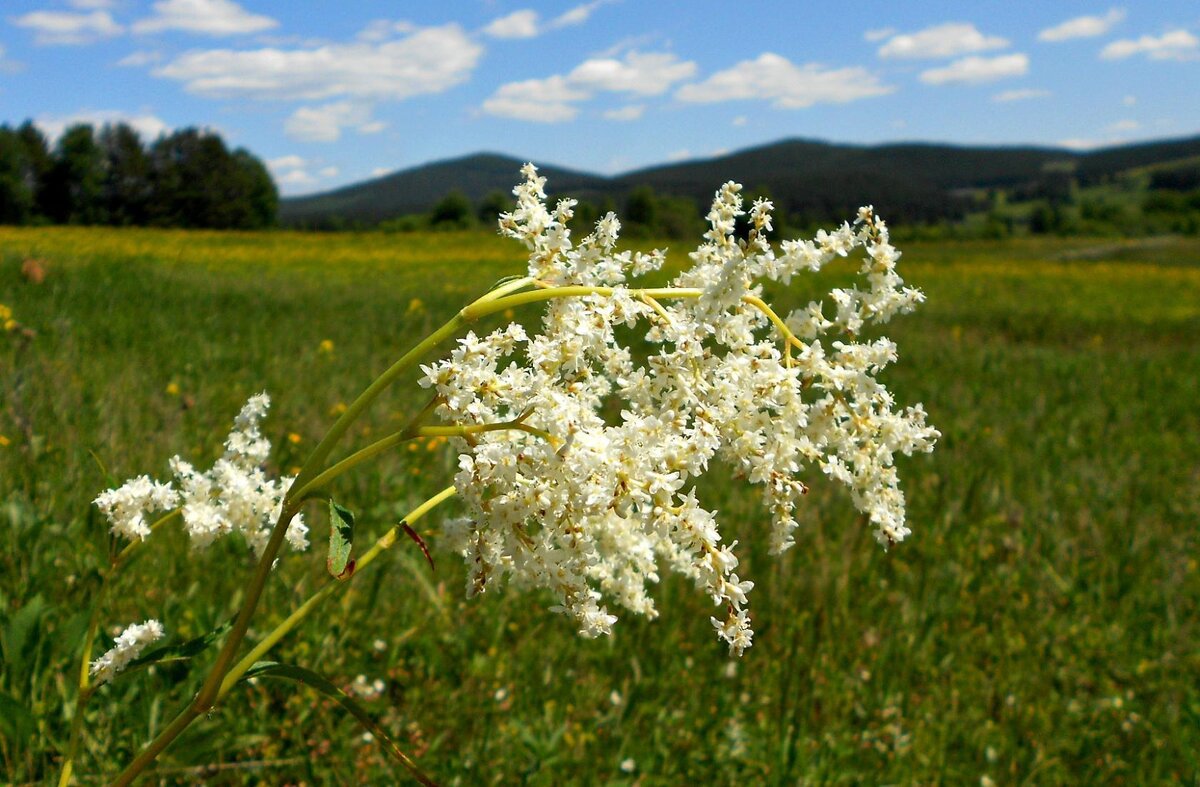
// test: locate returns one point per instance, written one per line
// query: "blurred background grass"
(1040, 625)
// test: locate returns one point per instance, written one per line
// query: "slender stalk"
(85, 688)
(481, 308)
(317, 459)
(207, 695)
(279, 632)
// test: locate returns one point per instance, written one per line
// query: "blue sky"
(331, 93)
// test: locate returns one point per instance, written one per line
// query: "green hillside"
(811, 180)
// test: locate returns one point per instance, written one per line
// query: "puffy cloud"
(325, 123)
(1082, 27)
(383, 29)
(627, 113)
(774, 78)
(1121, 126)
(526, 23)
(64, 27)
(947, 40)
(641, 74)
(555, 98)
(430, 60)
(1172, 45)
(879, 34)
(518, 24)
(1022, 94)
(149, 126)
(550, 100)
(976, 70)
(210, 17)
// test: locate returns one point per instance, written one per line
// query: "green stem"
(85, 689)
(482, 308)
(207, 695)
(279, 632)
(321, 453)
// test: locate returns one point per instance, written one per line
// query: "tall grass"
(1040, 625)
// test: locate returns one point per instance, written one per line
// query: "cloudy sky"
(334, 92)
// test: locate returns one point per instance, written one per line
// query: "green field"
(1041, 625)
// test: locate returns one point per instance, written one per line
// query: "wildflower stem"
(279, 632)
(482, 308)
(85, 688)
(312, 468)
(317, 459)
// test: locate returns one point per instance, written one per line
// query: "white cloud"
(211, 17)
(631, 112)
(518, 24)
(430, 60)
(1022, 94)
(741, 120)
(325, 123)
(947, 40)
(1083, 26)
(286, 162)
(374, 127)
(92, 5)
(149, 126)
(550, 100)
(679, 155)
(976, 70)
(328, 172)
(555, 98)
(379, 172)
(383, 29)
(1080, 143)
(63, 27)
(295, 177)
(577, 15)
(879, 34)
(1172, 45)
(141, 58)
(526, 23)
(640, 74)
(1122, 126)
(1129, 100)
(773, 78)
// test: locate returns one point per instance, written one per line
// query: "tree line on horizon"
(110, 177)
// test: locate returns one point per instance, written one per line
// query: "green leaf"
(273, 669)
(341, 541)
(505, 280)
(182, 651)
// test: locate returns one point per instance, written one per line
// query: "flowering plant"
(577, 459)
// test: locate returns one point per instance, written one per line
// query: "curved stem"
(85, 687)
(317, 459)
(312, 468)
(481, 309)
(279, 632)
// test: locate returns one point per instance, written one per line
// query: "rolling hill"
(912, 182)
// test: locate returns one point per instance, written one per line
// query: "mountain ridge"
(910, 180)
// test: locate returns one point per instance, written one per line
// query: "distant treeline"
(110, 177)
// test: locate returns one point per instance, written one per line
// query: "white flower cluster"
(234, 495)
(129, 645)
(595, 492)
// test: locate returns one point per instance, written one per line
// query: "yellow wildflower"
(172, 388)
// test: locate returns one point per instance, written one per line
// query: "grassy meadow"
(1040, 626)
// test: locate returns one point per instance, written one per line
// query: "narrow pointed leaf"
(273, 669)
(181, 651)
(341, 541)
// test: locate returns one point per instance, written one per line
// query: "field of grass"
(1040, 626)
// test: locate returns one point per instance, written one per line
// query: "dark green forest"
(929, 189)
(109, 176)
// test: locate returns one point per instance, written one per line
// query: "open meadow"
(1041, 625)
